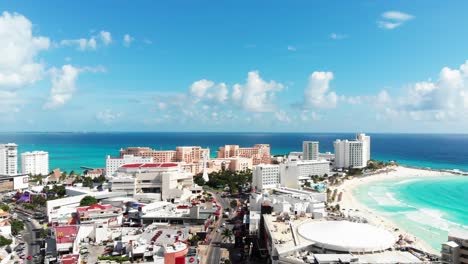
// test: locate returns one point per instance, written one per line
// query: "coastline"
(348, 201)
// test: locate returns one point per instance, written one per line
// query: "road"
(29, 236)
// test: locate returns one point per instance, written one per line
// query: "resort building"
(113, 163)
(293, 172)
(455, 251)
(232, 164)
(153, 181)
(310, 150)
(352, 153)
(265, 176)
(35, 163)
(295, 156)
(259, 153)
(94, 173)
(8, 159)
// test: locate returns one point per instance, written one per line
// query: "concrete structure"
(260, 153)
(35, 163)
(455, 251)
(153, 181)
(327, 156)
(101, 214)
(310, 150)
(96, 172)
(295, 156)
(265, 176)
(113, 163)
(14, 182)
(8, 159)
(292, 173)
(352, 153)
(232, 164)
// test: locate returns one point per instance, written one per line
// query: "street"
(29, 236)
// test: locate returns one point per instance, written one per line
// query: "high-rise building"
(260, 153)
(8, 159)
(352, 153)
(293, 172)
(455, 251)
(310, 150)
(35, 163)
(265, 176)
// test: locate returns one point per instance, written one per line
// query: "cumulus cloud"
(18, 52)
(63, 86)
(107, 116)
(393, 19)
(127, 40)
(106, 37)
(83, 44)
(317, 94)
(200, 87)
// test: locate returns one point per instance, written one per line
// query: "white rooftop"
(345, 236)
(459, 233)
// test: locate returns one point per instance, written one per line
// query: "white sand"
(396, 172)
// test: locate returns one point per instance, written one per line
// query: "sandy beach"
(395, 172)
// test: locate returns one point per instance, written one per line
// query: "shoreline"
(348, 201)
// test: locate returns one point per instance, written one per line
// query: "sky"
(227, 66)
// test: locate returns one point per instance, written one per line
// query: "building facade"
(35, 163)
(259, 153)
(310, 150)
(291, 173)
(455, 251)
(113, 163)
(265, 176)
(8, 159)
(352, 153)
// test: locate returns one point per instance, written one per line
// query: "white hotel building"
(310, 150)
(113, 163)
(8, 159)
(35, 163)
(352, 153)
(294, 172)
(266, 176)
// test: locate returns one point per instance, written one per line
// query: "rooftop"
(459, 233)
(150, 165)
(66, 234)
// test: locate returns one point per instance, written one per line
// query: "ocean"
(426, 207)
(70, 151)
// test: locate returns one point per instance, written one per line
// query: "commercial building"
(113, 163)
(8, 159)
(260, 153)
(101, 214)
(35, 163)
(295, 171)
(265, 176)
(455, 251)
(310, 150)
(352, 153)
(153, 181)
(14, 182)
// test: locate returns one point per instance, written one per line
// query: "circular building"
(345, 236)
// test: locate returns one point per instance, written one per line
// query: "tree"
(16, 226)
(39, 200)
(59, 190)
(88, 200)
(226, 233)
(193, 240)
(5, 207)
(88, 182)
(233, 203)
(4, 241)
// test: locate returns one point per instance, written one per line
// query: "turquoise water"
(426, 207)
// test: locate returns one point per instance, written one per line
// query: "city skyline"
(247, 66)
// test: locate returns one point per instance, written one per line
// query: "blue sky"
(338, 66)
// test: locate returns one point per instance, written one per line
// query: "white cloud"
(107, 116)
(337, 36)
(292, 48)
(393, 19)
(63, 86)
(257, 95)
(127, 40)
(18, 51)
(282, 116)
(206, 90)
(317, 94)
(199, 88)
(106, 37)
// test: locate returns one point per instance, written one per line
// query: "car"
(29, 257)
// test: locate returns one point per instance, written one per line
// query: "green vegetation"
(226, 233)
(38, 200)
(233, 203)
(16, 226)
(116, 258)
(88, 200)
(59, 191)
(220, 179)
(4, 207)
(193, 240)
(377, 165)
(354, 172)
(5, 241)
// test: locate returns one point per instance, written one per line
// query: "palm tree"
(226, 233)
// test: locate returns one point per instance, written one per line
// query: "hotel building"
(266, 176)
(260, 153)
(352, 153)
(113, 163)
(295, 171)
(8, 159)
(310, 150)
(455, 251)
(35, 163)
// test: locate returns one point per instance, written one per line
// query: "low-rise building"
(102, 214)
(113, 163)
(14, 182)
(292, 173)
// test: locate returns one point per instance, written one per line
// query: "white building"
(265, 176)
(295, 156)
(8, 159)
(153, 181)
(113, 163)
(310, 150)
(352, 153)
(35, 163)
(291, 173)
(456, 249)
